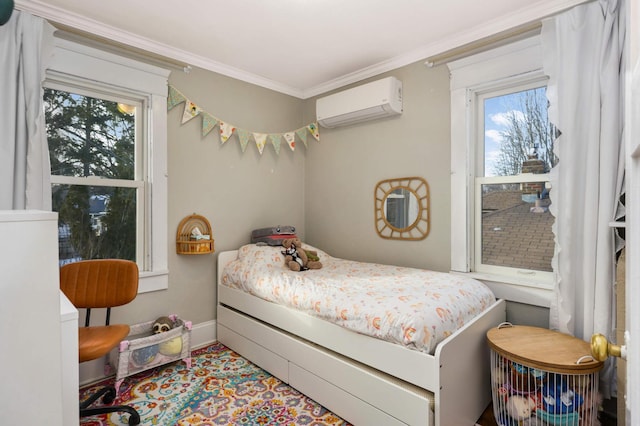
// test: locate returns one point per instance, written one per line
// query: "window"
(502, 152)
(104, 114)
(97, 174)
(512, 231)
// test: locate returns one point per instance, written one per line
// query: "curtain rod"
(484, 44)
(91, 40)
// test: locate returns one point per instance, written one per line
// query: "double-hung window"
(106, 129)
(98, 172)
(502, 152)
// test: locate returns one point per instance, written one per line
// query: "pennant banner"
(302, 134)
(208, 123)
(226, 130)
(244, 136)
(291, 140)
(313, 129)
(275, 141)
(261, 140)
(175, 98)
(190, 111)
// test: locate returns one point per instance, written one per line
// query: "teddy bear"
(297, 258)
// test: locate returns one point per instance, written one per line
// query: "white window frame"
(511, 65)
(76, 65)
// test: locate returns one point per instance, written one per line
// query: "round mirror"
(401, 208)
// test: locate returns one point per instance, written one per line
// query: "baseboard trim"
(202, 334)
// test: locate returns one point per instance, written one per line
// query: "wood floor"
(487, 418)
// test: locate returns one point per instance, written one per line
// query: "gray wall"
(236, 192)
(326, 191)
(343, 169)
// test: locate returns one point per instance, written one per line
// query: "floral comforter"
(413, 307)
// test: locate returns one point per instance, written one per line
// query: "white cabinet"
(70, 374)
(31, 391)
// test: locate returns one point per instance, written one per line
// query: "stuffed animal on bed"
(297, 258)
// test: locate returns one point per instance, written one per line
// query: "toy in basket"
(151, 344)
(542, 377)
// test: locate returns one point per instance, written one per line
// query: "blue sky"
(496, 113)
(495, 121)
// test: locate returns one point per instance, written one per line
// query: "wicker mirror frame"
(418, 229)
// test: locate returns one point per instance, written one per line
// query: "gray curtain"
(24, 158)
(583, 51)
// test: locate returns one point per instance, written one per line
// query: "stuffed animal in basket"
(162, 324)
(297, 258)
(520, 407)
(169, 347)
(558, 398)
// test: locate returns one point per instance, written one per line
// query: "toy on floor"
(170, 347)
(144, 356)
(297, 258)
(162, 324)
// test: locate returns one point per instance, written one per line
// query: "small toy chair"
(103, 283)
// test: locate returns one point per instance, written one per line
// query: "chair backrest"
(100, 283)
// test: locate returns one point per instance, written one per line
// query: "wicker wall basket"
(194, 236)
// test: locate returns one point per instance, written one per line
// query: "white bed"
(365, 380)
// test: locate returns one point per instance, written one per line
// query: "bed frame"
(364, 380)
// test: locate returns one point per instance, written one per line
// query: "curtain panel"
(24, 158)
(583, 57)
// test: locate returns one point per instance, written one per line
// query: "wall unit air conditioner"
(381, 98)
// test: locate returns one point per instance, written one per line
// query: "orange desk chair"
(101, 284)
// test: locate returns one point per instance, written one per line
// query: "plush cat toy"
(297, 258)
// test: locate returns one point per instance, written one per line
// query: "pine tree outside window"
(106, 118)
(97, 170)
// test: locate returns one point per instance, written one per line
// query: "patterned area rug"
(221, 388)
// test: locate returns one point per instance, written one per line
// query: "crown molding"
(529, 15)
(525, 17)
(81, 23)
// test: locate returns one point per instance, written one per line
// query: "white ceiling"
(298, 47)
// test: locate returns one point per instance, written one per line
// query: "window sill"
(514, 289)
(153, 281)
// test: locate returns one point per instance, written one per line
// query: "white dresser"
(38, 330)
(69, 351)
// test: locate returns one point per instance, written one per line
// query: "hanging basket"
(194, 236)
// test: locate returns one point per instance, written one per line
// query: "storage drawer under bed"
(358, 393)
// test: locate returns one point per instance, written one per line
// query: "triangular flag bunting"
(261, 140)
(290, 137)
(244, 136)
(174, 98)
(190, 111)
(226, 130)
(302, 134)
(313, 129)
(208, 123)
(276, 140)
